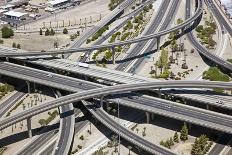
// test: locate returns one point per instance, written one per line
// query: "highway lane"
(66, 130)
(139, 62)
(36, 144)
(9, 102)
(203, 50)
(203, 96)
(103, 117)
(189, 21)
(137, 48)
(78, 127)
(220, 145)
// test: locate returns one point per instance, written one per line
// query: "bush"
(18, 46)
(52, 32)
(214, 74)
(14, 45)
(88, 41)
(81, 137)
(79, 146)
(65, 31)
(1, 41)
(7, 32)
(47, 32)
(40, 32)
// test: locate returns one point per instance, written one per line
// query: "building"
(57, 3)
(7, 7)
(15, 15)
(2, 11)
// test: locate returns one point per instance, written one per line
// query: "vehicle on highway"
(50, 75)
(81, 64)
(219, 102)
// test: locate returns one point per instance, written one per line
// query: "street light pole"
(118, 130)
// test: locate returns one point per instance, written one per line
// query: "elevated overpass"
(184, 112)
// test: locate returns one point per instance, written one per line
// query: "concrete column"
(34, 87)
(101, 101)
(29, 127)
(189, 126)
(158, 44)
(152, 116)
(159, 93)
(113, 55)
(28, 87)
(207, 107)
(7, 59)
(148, 117)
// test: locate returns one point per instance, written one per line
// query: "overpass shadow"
(37, 131)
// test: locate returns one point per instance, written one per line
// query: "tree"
(42, 122)
(18, 46)
(40, 32)
(129, 148)
(196, 148)
(47, 32)
(171, 141)
(65, 31)
(114, 111)
(184, 133)
(55, 44)
(7, 32)
(52, 32)
(14, 45)
(176, 137)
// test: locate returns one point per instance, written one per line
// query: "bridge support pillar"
(148, 117)
(101, 101)
(7, 59)
(28, 87)
(158, 44)
(113, 55)
(159, 93)
(189, 126)
(207, 107)
(152, 116)
(29, 127)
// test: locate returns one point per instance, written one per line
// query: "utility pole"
(118, 130)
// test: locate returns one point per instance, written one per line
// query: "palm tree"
(137, 130)
(114, 111)
(129, 148)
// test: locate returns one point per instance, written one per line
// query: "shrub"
(65, 31)
(7, 32)
(14, 45)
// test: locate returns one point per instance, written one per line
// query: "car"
(50, 75)
(219, 102)
(57, 148)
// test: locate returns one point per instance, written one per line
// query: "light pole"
(118, 130)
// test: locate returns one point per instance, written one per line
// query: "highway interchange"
(154, 105)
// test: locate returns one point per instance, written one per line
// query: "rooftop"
(14, 14)
(54, 2)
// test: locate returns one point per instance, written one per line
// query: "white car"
(219, 102)
(50, 75)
